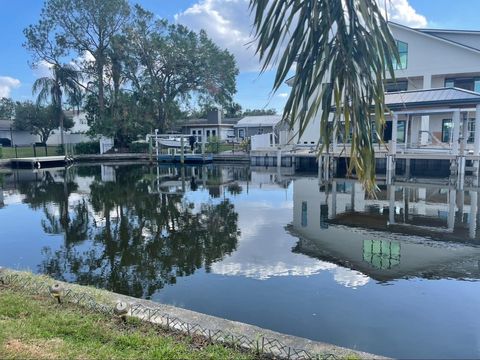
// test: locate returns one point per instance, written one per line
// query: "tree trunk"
(161, 119)
(101, 95)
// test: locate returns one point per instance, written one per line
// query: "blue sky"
(227, 22)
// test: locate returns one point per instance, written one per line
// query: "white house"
(430, 59)
(75, 135)
(256, 125)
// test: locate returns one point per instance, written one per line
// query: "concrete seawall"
(249, 334)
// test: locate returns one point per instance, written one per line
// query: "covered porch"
(437, 124)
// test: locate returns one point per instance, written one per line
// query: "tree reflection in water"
(123, 237)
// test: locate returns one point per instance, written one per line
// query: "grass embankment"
(33, 327)
(22, 152)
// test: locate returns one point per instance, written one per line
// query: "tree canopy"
(7, 108)
(138, 70)
(39, 120)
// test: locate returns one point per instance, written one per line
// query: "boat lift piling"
(176, 149)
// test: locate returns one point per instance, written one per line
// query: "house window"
(471, 130)
(382, 254)
(214, 133)
(241, 133)
(194, 132)
(208, 134)
(401, 130)
(470, 84)
(304, 214)
(447, 127)
(395, 86)
(402, 48)
(323, 216)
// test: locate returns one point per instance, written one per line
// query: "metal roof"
(430, 98)
(432, 36)
(259, 121)
(204, 122)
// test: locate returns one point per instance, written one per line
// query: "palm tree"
(343, 50)
(64, 80)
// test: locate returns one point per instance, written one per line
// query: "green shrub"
(213, 145)
(91, 147)
(139, 147)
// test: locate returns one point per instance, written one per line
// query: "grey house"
(215, 125)
(255, 125)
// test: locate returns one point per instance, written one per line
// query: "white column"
(422, 203)
(452, 202)
(456, 132)
(394, 133)
(333, 210)
(391, 205)
(476, 149)
(472, 226)
(425, 121)
(359, 197)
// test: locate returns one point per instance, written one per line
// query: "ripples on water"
(396, 275)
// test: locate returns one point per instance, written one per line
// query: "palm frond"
(343, 51)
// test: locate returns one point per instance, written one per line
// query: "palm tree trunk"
(62, 140)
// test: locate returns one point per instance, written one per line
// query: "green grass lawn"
(214, 148)
(9, 152)
(33, 327)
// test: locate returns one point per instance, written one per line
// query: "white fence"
(262, 141)
(105, 144)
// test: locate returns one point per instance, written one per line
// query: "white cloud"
(42, 69)
(228, 23)
(350, 278)
(8, 83)
(283, 95)
(402, 12)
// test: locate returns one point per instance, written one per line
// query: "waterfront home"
(249, 126)
(214, 125)
(429, 59)
(11, 136)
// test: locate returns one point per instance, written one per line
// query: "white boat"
(174, 142)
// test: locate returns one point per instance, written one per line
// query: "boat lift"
(179, 149)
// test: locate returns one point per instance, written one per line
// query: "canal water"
(396, 275)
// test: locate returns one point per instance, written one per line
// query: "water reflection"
(250, 244)
(407, 231)
(141, 238)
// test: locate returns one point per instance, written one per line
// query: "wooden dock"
(187, 158)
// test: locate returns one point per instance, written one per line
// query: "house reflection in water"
(408, 231)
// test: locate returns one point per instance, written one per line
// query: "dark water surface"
(397, 276)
